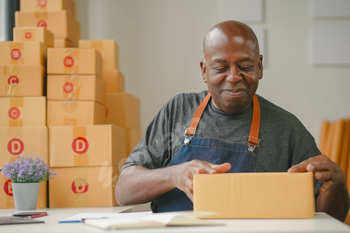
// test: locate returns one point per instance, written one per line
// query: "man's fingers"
(300, 167)
(326, 175)
(221, 168)
(326, 186)
(315, 167)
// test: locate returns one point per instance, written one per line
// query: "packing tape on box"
(12, 89)
(80, 146)
(70, 107)
(80, 187)
(12, 70)
(14, 112)
(14, 132)
(29, 34)
(71, 87)
(41, 15)
(71, 61)
(16, 49)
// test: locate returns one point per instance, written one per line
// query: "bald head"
(225, 31)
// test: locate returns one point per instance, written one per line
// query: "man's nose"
(233, 76)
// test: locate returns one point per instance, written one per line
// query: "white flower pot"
(25, 195)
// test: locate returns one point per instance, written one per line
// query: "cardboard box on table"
(6, 194)
(48, 5)
(88, 159)
(123, 109)
(255, 195)
(23, 53)
(60, 113)
(63, 43)
(74, 61)
(22, 111)
(83, 187)
(76, 87)
(108, 49)
(18, 80)
(60, 23)
(33, 34)
(133, 137)
(114, 80)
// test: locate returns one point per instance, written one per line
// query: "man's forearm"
(334, 203)
(137, 185)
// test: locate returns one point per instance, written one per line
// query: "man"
(228, 129)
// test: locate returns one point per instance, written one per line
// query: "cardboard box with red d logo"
(88, 159)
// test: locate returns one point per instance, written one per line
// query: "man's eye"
(220, 69)
(245, 68)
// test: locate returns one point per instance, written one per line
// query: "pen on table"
(37, 215)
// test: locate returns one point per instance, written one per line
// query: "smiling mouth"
(234, 93)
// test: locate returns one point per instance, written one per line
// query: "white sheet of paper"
(81, 216)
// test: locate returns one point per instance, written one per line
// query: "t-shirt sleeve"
(151, 150)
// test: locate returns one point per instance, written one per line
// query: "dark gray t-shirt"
(284, 139)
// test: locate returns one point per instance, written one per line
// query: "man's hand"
(325, 170)
(182, 174)
(334, 196)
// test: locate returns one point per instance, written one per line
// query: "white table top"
(321, 223)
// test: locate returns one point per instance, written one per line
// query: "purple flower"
(27, 170)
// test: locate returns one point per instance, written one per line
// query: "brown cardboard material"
(22, 111)
(83, 187)
(48, 5)
(60, 113)
(60, 23)
(255, 195)
(29, 53)
(16, 141)
(33, 34)
(123, 109)
(76, 87)
(63, 43)
(133, 137)
(108, 50)
(6, 194)
(74, 61)
(98, 145)
(114, 80)
(22, 81)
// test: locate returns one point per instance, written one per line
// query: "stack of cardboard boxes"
(122, 109)
(58, 16)
(85, 152)
(90, 134)
(23, 104)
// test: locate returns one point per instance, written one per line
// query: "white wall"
(160, 46)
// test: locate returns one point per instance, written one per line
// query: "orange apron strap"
(197, 116)
(254, 128)
(253, 140)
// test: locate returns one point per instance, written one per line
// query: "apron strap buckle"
(189, 134)
(253, 142)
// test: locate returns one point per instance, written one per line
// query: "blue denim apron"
(240, 156)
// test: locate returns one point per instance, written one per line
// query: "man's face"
(232, 69)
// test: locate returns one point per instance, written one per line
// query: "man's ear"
(204, 70)
(260, 66)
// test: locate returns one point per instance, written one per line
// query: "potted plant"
(26, 173)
